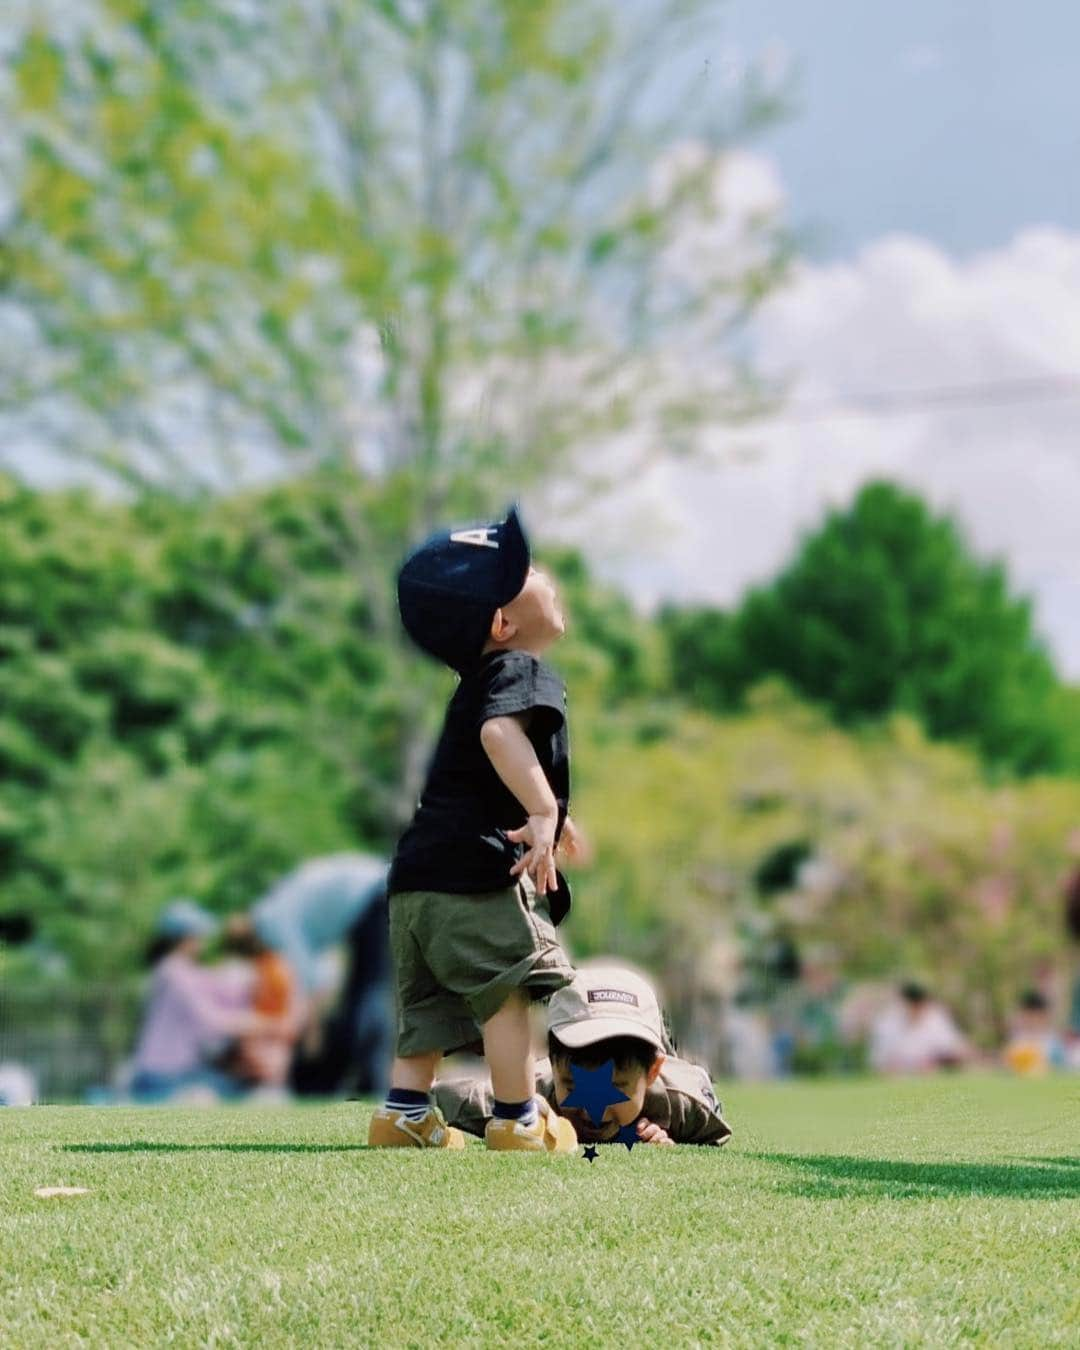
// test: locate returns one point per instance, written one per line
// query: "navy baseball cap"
(450, 587)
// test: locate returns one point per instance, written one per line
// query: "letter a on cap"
(479, 538)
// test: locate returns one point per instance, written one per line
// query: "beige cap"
(606, 1001)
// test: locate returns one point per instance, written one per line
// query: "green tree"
(914, 860)
(168, 721)
(885, 609)
(1065, 714)
(175, 720)
(704, 655)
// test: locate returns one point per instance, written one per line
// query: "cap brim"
(577, 1035)
(517, 556)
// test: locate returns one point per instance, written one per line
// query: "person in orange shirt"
(264, 1059)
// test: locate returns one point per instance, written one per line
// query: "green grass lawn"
(847, 1213)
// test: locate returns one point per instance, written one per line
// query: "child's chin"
(587, 1133)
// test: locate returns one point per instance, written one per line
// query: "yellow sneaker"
(393, 1129)
(552, 1133)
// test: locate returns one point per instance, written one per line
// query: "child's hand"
(538, 833)
(649, 1133)
(574, 847)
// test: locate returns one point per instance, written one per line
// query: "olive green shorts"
(457, 958)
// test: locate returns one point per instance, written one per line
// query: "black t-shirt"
(457, 840)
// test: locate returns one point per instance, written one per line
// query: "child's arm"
(514, 760)
(696, 1116)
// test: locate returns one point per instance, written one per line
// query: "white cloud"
(740, 190)
(901, 318)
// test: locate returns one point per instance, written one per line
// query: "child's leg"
(415, 1073)
(508, 1051)
(521, 1120)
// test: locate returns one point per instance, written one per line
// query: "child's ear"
(502, 628)
(657, 1065)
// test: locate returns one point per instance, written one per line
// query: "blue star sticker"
(590, 1152)
(594, 1091)
(628, 1135)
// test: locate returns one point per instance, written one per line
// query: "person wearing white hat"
(608, 1019)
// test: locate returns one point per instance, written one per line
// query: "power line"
(897, 402)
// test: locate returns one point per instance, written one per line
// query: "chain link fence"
(71, 1039)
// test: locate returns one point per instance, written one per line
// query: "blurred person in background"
(811, 1016)
(916, 1034)
(750, 1037)
(774, 983)
(1072, 936)
(701, 981)
(18, 1087)
(1033, 1046)
(191, 1015)
(264, 1060)
(324, 905)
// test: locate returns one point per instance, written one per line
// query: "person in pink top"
(190, 1017)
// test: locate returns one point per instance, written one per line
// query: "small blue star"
(594, 1091)
(628, 1135)
(590, 1152)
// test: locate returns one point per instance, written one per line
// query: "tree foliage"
(437, 240)
(884, 609)
(909, 860)
(194, 698)
(441, 245)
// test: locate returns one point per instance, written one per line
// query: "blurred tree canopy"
(438, 241)
(441, 245)
(906, 858)
(300, 277)
(195, 696)
(885, 610)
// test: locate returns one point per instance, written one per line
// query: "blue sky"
(957, 120)
(932, 166)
